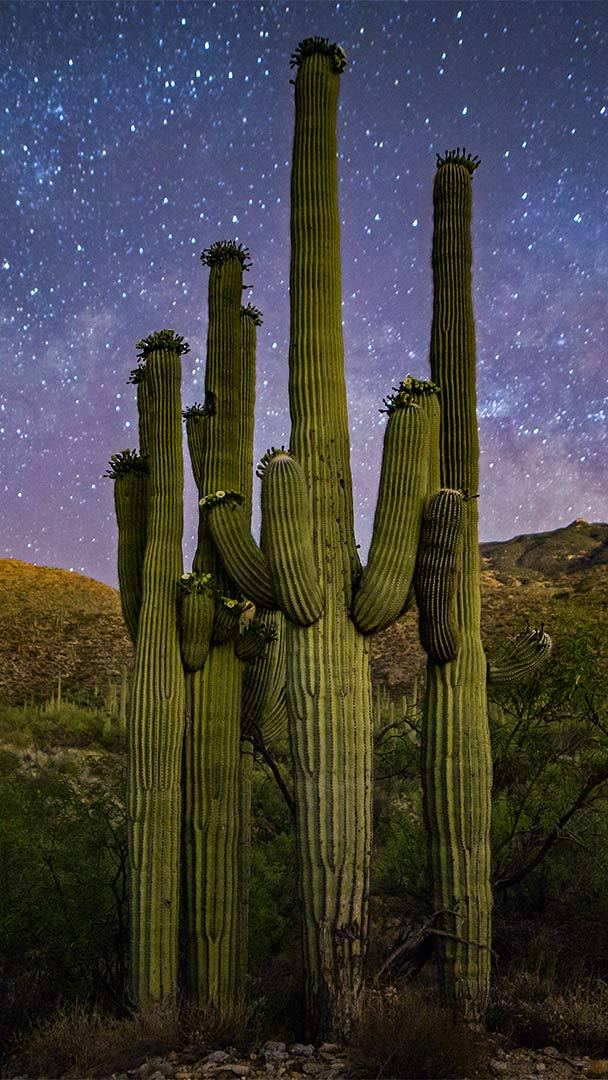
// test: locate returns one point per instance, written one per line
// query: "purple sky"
(135, 135)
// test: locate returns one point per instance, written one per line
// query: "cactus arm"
(457, 765)
(438, 568)
(264, 706)
(244, 562)
(286, 537)
(196, 612)
(520, 658)
(157, 709)
(387, 578)
(130, 474)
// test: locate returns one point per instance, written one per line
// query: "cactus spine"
(156, 721)
(457, 764)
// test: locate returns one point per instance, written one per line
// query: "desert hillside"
(53, 622)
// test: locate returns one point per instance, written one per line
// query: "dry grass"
(79, 1041)
(532, 1010)
(405, 1034)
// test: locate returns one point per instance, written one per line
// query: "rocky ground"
(329, 1062)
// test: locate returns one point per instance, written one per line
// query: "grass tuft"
(403, 1033)
(530, 1009)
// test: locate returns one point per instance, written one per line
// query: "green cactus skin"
(156, 721)
(264, 700)
(220, 439)
(287, 545)
(457, 764)
(130, 474)
(245, 562)
(245, 786)
(438, 568)
(328, 684)
(387, 578)
(519, 658)
(196, 612)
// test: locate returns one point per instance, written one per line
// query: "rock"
(274, 1050)
(550, 1051)
(540, 1067)
(217, 1057)
(329, 1048)
(498, 1068)
(233, 1070)
(301, 1050)
(313, 1068)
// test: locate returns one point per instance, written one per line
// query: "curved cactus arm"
(438, 569)
(228, 618)
(129, 471)
(264, 706)
(196, 612)
(286, 537)
(242, 559)
(254, 639)
(518, 659)
(387, 578)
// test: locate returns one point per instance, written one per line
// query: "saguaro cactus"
(156, 722)
(309, 567)
(220, 439)
(457, 764)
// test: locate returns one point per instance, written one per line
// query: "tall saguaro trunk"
(156, 719)
(457, 764)
(220, 438)
(328, 685)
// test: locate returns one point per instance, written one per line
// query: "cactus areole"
(457, 766)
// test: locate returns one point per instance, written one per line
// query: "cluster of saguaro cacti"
(190, 632)
(307, 647)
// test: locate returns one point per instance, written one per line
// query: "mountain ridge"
(55, 622)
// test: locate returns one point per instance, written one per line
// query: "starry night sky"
(135, 135)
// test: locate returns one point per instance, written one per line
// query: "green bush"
(63, 905)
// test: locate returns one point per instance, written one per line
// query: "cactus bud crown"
(126, 462)
(137, 374)
(225, 498)
(197, 583)
(454, 157)
(270, 455)
(253, 313)
(405, 394)
(222, 250)
(161, 339)
(313, 45)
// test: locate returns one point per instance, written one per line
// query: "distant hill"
(53, 622)
(559, 578)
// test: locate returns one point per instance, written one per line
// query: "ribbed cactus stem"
(286, 540)
(437, 575)
(156, 719)
(519, 658)
(457, 765)
(264, 701)
(402, 494)
(130, 474)
(217, 433)
(245, 785)
(328, 685)
(230, 527)
(196, 613)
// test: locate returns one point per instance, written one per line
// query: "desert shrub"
(63, 905)
(79, 1041)
(529, 1008)
(405, 1035)
(69, 724)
